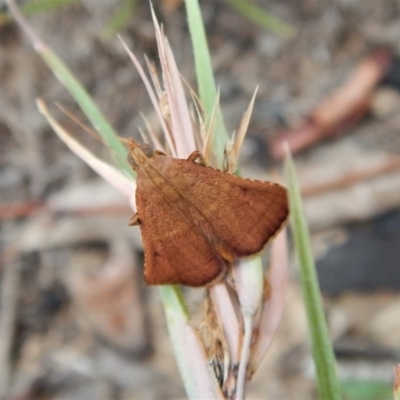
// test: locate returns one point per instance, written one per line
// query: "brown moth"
(196, 220)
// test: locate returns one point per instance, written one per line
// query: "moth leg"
(134, 220)
(196, 155)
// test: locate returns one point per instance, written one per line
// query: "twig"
(9, 211)
(340, 110)
(390, 165)
(17, 210)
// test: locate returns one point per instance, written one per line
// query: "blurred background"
(76, 320)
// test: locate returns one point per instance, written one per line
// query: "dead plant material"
(18, 210)
(390, 165)
(339, 111)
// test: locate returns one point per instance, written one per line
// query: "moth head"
(138, 154)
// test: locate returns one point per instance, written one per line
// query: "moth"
(196, 220)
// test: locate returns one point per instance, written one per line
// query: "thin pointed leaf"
(151, 93)
(327, 382)
(88, 106)
(179, 110)
(205, 77)
(234, 145)
(110, 174)
(78, 92)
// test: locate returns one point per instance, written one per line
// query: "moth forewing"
(195, 219)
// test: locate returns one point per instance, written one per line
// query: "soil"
(77, 321)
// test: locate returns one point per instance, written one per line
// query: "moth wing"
(244, 213)
(175, 251)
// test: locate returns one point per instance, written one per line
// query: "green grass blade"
(88, 106)
(205, 76)
(78, 92)
(262, 18)
(324, 359)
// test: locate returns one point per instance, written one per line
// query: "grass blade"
(78, 92)
(109, 173)
(205, 77)
(324, 359)
(88, 106)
